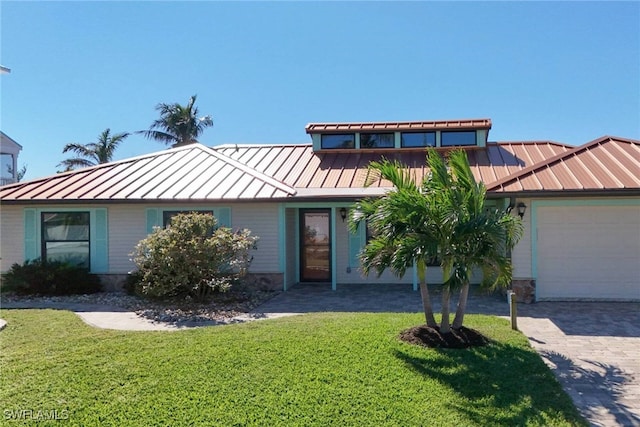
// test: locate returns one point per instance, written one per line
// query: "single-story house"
(580, 205)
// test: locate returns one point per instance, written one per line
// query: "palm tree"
(404, 230)
(471, 236)
(443, 217)
(93, 153)
(178, 125)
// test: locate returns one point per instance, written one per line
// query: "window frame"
(427, 133)
(337, 135)
(458, 144)
(376, 134)
(44, 240)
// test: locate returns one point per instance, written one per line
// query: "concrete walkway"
(117, 318)
(592, 348)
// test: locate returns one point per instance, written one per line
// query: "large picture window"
(65, 237)
(347, 140)
(376, 140)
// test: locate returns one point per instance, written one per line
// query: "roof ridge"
(532, 142)
(258, 145)
(553, 159)
(247, 169)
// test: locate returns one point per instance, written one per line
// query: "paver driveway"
(592, 347)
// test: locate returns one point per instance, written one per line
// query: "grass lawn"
(339, 369)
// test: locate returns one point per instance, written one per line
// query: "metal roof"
(193, 172)
(299, 167)
(267, 172)
(399, 126)
(607, 163)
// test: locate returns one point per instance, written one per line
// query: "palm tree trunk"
(445, 327)
(462, 306)
(424, 293)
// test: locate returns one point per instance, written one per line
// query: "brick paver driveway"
(592, 347)
(594, 350)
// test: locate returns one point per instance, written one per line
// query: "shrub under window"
(191, 257)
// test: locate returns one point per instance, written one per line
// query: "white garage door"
(588, 252)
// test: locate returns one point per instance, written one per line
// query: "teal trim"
(415, 277)
(536, 204)
(282, 244)
(99, 233)
(481, 137)
(334, 255)
(315, 140)
(153, 219)
(223, 215)
(355, 246)
(31, 236)
(357, 141)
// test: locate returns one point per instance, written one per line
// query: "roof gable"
(606, 163)
(192, 172)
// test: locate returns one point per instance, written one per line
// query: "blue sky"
(564, 71)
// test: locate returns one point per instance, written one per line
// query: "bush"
(191, 257)
(39, 277)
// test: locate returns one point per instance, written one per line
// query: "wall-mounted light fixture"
(522, 208)
(343, 214)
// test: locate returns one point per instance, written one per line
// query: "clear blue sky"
(564, 71)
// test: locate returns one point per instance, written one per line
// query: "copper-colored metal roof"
(268, 172)
(399, 126)
(299, 167)
(192, 172)
(607, 163)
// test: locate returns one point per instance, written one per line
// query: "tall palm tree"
(93, 153)
(178, 125)
(443, 217)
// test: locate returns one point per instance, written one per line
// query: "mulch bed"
(427, 336)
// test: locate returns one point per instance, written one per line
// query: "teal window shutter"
(223, 215)
(356, 242)
(100, 242)
(153, 219)
(31, 251)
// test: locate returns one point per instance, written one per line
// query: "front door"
(315, 245)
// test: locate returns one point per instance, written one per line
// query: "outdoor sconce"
(343, 214)
(522, 208)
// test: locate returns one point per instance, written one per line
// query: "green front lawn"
(318, 369)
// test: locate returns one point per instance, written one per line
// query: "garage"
(587, 250)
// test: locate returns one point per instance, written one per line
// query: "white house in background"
(580, 205)
(9, 150)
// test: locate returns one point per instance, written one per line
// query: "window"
(458, 138)
(376, 140)
(418, 139)
(65, 237)
(167, 215)
(347, 140)
(6, 166)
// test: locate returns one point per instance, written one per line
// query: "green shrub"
(39, 277)
(192, 257)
